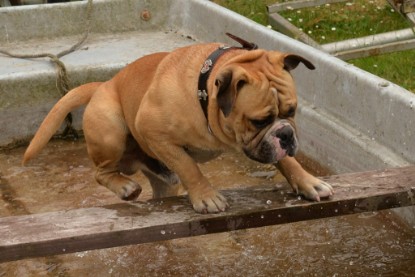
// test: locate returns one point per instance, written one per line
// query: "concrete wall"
(349, 119)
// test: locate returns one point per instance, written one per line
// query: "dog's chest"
(202, 155)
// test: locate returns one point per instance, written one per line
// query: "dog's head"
(256, 101)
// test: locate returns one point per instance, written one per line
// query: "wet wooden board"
(134, 223)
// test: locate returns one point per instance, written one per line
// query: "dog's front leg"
(204, 197)
(303, 182)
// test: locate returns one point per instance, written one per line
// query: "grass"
(339, 21)
(335, 22)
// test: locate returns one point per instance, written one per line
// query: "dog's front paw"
(208, 201)
(312, 188)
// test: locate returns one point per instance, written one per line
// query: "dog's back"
(133, 81)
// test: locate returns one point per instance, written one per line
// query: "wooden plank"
(376, 50)
(282, 25)
(133, 223)
(380, 40)
(408, 6)
(405, 8)
(411, 17)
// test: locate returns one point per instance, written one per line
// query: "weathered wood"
(376, 50)
(282, 25)
(405, 8)
(133, 223)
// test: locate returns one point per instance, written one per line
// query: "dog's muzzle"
(279, 141)
(287, 139)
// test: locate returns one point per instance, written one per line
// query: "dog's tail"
(73, 99)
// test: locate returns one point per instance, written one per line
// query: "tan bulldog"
(163, 114)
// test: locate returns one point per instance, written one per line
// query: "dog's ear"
(291, 61)
(225, 96)
(228, 83)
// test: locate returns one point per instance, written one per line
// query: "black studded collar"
(209, 63)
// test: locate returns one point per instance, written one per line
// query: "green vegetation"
(340, 21)
(335, 22)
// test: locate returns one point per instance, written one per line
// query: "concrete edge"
(389, 133)
(337, 99)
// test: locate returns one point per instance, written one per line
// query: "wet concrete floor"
(368, 244)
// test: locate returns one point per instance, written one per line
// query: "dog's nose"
(287, 141)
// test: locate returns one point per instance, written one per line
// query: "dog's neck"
(202, 92)
(207, 66)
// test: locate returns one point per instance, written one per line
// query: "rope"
(62, 80)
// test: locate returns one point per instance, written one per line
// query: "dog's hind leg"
(106, 136)
(163, 181)
(163, 186)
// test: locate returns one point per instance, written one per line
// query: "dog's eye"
(240, 84)
(289, 113)
(262, 123)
